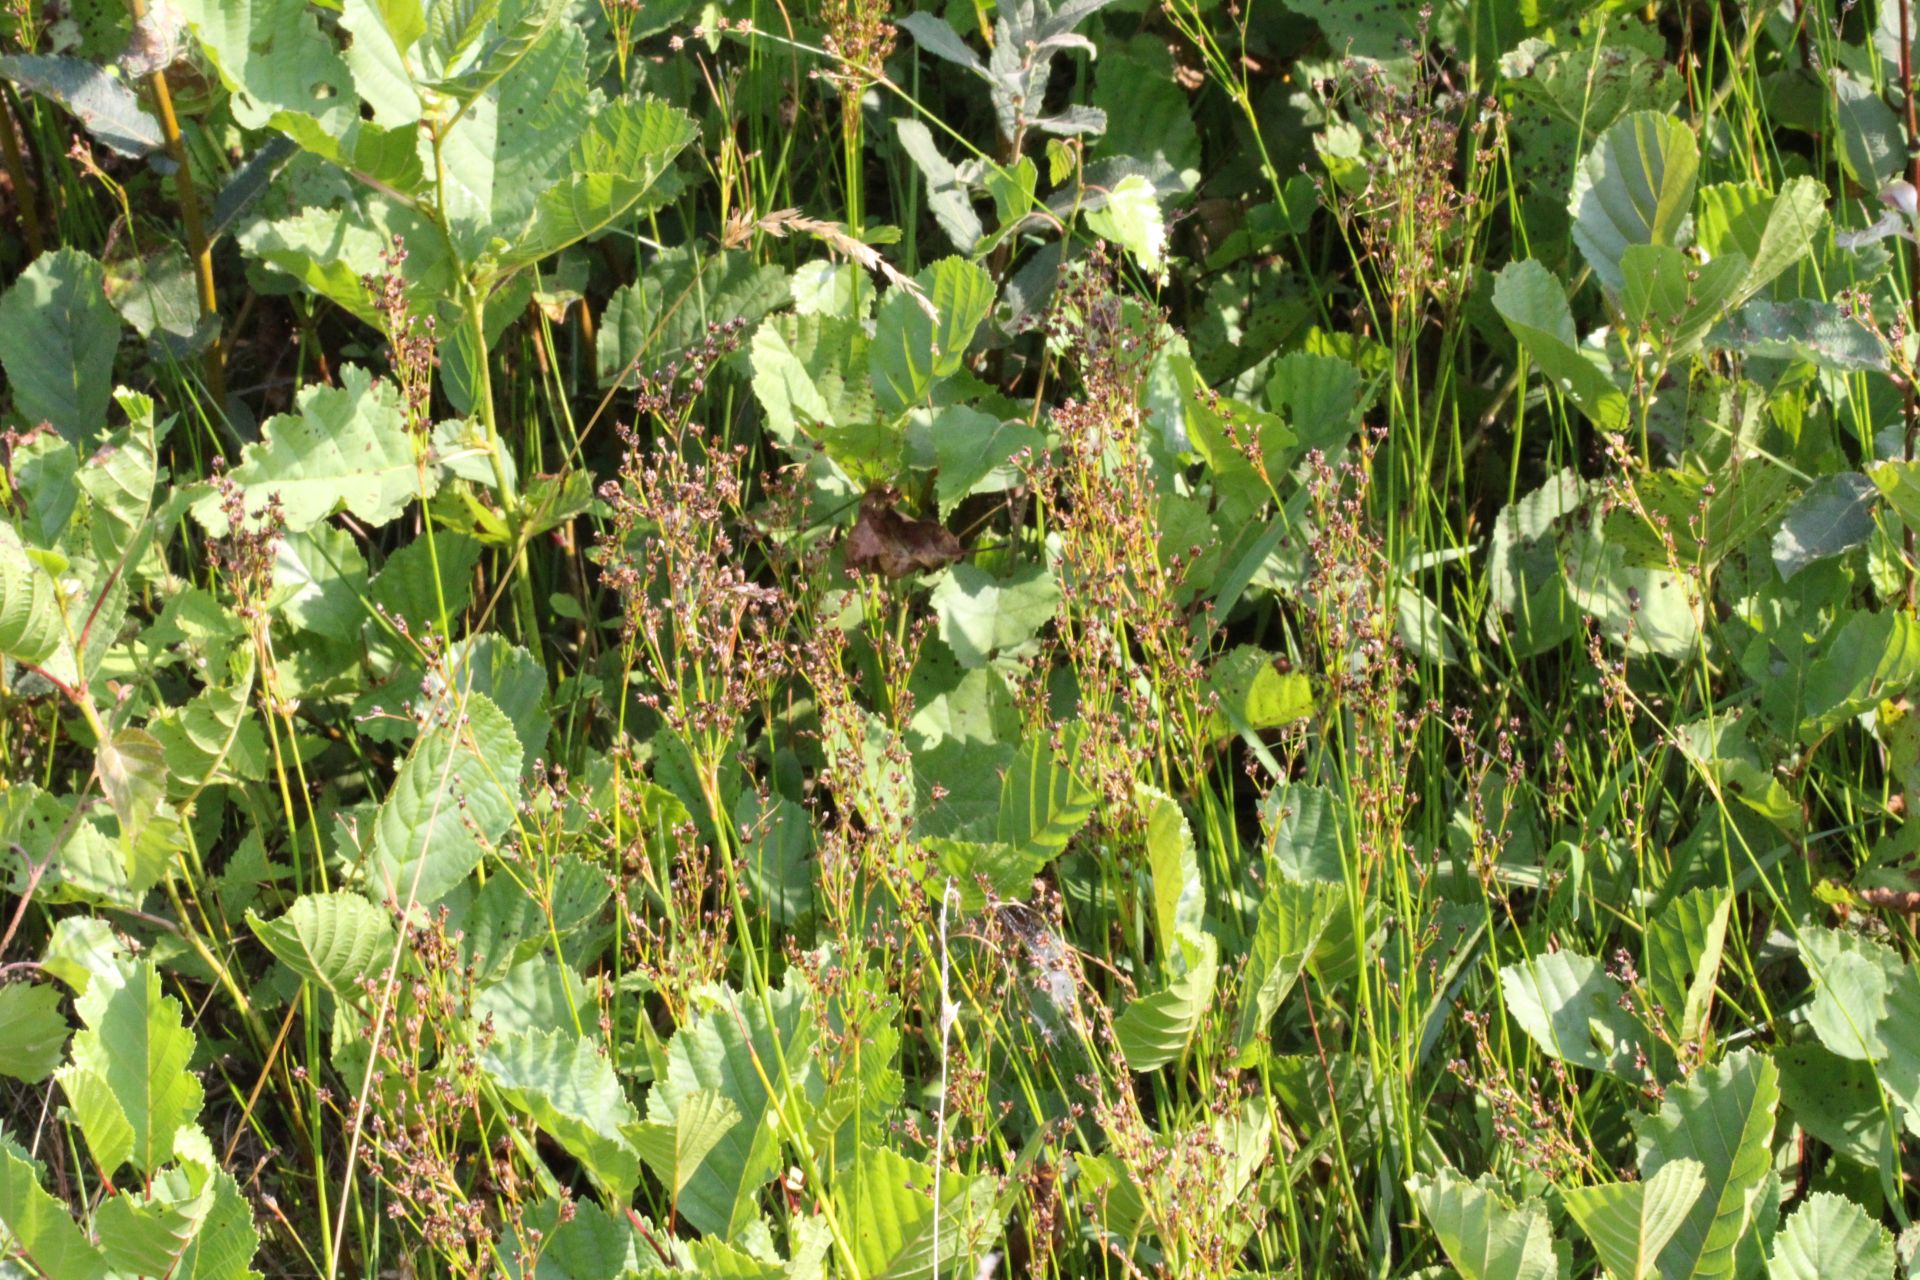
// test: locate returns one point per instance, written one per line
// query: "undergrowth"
(1030, 639)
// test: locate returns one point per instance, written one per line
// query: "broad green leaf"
(888, 1206)
(949, 197)
(81, 951)
(1684, 946)
(622, 165)
(1571, 1010)
(333, 939)
(1256, 693)
(1874, 655)
(456, 793)
(1634, 187)
(1130, 217)
(33, 1031)
(1801, 329)
(148, 1234)
(1828, 1237)
(971, 452)
(912, 349)
(1869, 131)
(1630, 1223)
(1483, 1234)
(105, 105)
(41, 1231)
(274, 58)
(538, 994)
(32, 627)
(348, 447)
(224, 1246)
(981, 615)
(58, 336)
(1721, 1119)
(1834, 516)
(810, 371)
(1179, 894)
(132, 770)
(331, 251)
(1535, 307)
(563, 1083)
(135, 1047)
(1836, 1100)
(1289, 926)
(1773, 230)
(1303, 825)
(1866, 1007)
(1672, 298)
(1318, 395)
(758, 1056)
(1043, 799)
(1156, 1029)
(667, 312)
(675, 1152)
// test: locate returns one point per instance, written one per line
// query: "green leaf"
(1674, 299)
(622, 165)
(1043, 799)
(1772, 230)
(41, 1231)
(666, 313)
(1630, 1223)
(1801, 329)
(1156, 1029)
(274, 58)
(1535, 307)
(1255, 694)
(456, 793)
(949, 198)
(1869, 132)
(675, 1152)
(333, 939)
(58, 336)
(981, 615)
(1720, 1120)
(1303, 826)
(1828, 1237)
(1834, 516)
(564, 1084)
(133, 774)
(32, 627)
(33, 1031)
(537, 994)
(1874, 655)
(889, 1209)
(972, 452)
(810, 371)
(1291, 921)
(1130, 217)
(912, 349)
(737, 1048)
(1836, 1100)
(1179, 894)
(348, 447)
(147, 1234)
(226, 1241)
(1483, 1235)
(1634, 187)
(1571, 1010)
(108, 108)
(135, 1047)
(1684, 946)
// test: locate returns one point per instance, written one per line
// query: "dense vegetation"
(1027, 638)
